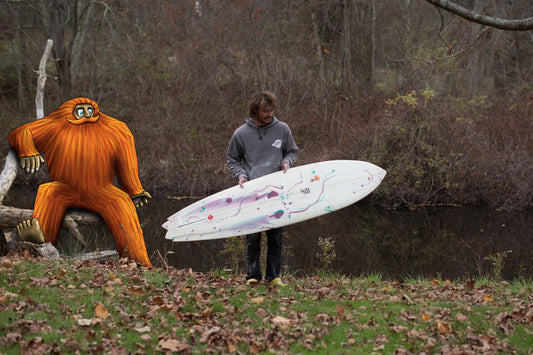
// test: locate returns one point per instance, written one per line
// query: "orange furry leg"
(50, 207)
(120, 215)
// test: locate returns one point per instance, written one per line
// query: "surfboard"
(276, 200)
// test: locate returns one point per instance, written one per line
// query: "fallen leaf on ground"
(100, 311)
(280, 321)
(135, 290)
(206, 313)
(258, 300)
(444, 327)
(461, 317)
(173, 345)
(84, 322)
(488, 299)
(261, 312)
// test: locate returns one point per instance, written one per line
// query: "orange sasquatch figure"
(85, 149)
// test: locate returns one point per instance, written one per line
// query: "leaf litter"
(118, 307)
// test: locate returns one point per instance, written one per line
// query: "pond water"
(450, 242)
(446, 242)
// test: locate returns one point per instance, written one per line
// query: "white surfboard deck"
(275, 200)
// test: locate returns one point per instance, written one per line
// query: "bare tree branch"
(10, 168)
(502, 24)
(41, 81)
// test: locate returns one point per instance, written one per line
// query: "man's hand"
(31, 164)
(141, 199)
(285, 166)
(242, 180)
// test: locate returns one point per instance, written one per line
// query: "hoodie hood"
(261, 130)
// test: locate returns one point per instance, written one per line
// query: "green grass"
(50, 306)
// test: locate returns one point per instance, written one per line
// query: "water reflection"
(447, 242)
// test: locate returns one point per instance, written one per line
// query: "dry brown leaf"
(204, 338)
(340, 311)
(6, 263)
(461, 317)
(261, 313)
(232, 348)
(380, 341)
(4, 299)
(100, 311)
(11, 338)
(135, 290)
(206, 313)
(258, 300)
(84, 322)
(254, 349)
(426, 317)
(435, 282)
(488, 299)
(407, 298)
(280, 321)
(444, 327)
(173, 345)
(397, 328)
(470, 284)
(146, 337)
(158, 300)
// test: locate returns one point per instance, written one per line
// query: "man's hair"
(257, 99)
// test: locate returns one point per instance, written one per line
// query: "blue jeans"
(253, 254)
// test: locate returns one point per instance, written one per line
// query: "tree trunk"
(8, 174)
(321, 87)
(347, 73)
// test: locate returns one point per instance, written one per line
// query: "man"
(261, 146)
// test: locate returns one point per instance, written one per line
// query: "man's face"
(264, 114)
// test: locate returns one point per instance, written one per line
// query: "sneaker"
(276, 282)
(252, 282)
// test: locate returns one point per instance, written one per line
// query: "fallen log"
(11, 216)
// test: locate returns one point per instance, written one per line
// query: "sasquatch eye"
(90, 111)
(79, 112)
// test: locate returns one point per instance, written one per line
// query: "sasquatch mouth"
(83, 120)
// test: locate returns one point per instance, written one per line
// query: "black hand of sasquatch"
(141, 199)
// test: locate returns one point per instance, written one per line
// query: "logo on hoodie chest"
(277, 143)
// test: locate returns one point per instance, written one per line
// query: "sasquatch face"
(79, 111)
(83, 111)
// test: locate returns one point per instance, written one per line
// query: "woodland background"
(443, 104)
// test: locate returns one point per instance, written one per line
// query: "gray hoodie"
(255, 151)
